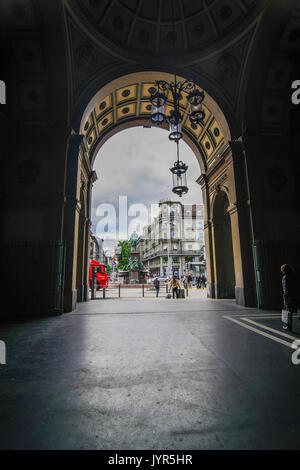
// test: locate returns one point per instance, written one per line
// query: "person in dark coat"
(203, 281)
(289, 292)
(156, 285)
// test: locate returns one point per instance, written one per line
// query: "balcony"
(178, 253)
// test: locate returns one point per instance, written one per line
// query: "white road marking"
(262, 315)
(258, 315)
(267, 335)
(281, 333)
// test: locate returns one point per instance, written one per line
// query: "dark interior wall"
(271, 134)
(33, 156)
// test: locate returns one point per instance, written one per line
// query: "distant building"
(174, 242)
(94, 247)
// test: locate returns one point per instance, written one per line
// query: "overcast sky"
(135, 163)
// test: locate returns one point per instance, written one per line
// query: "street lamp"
(196, 115)
(195, 98)
(178, 171)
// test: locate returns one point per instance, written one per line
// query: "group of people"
(177, 286)
(291, 301)
(199, 280)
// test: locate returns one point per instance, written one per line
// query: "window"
(190, 247)
(200, 224)
(201, 236)
(175, 247)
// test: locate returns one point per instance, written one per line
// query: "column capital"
(93, 177)
(237, 146)
(75, 138)
(202, 180)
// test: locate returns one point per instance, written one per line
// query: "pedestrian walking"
(203, 281)
(156, 285)
(175, 286)
(289, 295)
(198, 280)
(190, 279)
(181, 291)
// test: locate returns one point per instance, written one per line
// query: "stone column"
(242, 230)
(71, 219)
(88, 223)
(208, 237)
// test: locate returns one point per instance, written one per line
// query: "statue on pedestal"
(133, 240)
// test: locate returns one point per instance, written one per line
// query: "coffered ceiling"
(132, 103)
(163, 27)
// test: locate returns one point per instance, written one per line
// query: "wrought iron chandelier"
(195, 98)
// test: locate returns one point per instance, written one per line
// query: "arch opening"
(125, 103)
(224, 257)
(143, 158)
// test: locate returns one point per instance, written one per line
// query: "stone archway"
(124, 103)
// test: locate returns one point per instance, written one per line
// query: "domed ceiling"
(163, 27)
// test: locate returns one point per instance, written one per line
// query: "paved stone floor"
(150, 374)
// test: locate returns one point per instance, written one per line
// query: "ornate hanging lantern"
(195, 98)
(179, 175)
(158, 101)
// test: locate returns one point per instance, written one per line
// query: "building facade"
(94, 247)
(174, 242)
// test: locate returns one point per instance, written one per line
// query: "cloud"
(135, 163)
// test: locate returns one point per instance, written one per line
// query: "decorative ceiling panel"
(126, 93)
(168, 26)
(133, 102)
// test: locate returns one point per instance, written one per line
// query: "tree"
(107, 267)
(124, 257)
